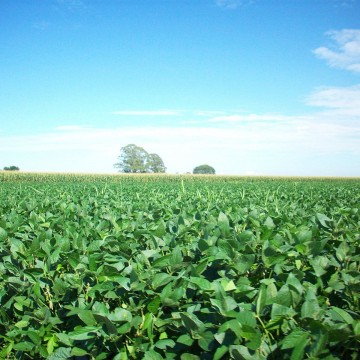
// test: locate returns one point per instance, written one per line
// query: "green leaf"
(152, 355)
(296, 337)
(202, 283)
(206, 340)
(192, 324)
(294, 284)
(340, 315)
(60, 353)
(185, 339)
(220, 352)
(240, 352)
(187, 356)
(223, 220)
(100, 319)
(246, 236)
(323, 220)
(83, 333)
(269, 223)
(3, 234)
(342, 251)
(24, 346)
(120, 315)
(75, 351)
(261, 299)
(154, 305)
(165, 343)
(161, 279)
(280, 311)
(87, 317)
(310, 307)
(224, 304)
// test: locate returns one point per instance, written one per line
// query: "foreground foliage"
(161, 267)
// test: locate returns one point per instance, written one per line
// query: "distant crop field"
(178, 267)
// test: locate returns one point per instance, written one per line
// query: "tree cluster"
(135, 159)
(204, 169)
(11, 168)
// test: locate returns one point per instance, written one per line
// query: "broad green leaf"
(100, 319)
(165, 343)
(240, 352)
(185, 339)
(83, 333)
(323, 220)
(154, 305)
(220, 352)
(60, 353)
(341, 315)
(24, 346)
(120, 315)
(152, 355)
(202, 283)
(206, 340)
(296, 337)
(342, 251)
(187, 356)
(3, 234)
(161, 279)
(192, 324)
(76, 351)
(269, 223)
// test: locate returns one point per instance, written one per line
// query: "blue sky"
(251, 87)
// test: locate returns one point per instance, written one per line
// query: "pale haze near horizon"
(248, 87)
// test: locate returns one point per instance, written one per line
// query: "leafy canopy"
(204, 169)
(135, 159)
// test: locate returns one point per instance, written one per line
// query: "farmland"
(178, 267)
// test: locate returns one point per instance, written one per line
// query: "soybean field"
(178, 267)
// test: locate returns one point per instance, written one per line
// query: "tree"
(11, 168)
(204, 169)
(135, 159)
(155, 164)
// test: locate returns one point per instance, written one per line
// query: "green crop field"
(178, 267)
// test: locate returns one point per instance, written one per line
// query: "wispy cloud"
(252, 118)
(69, 127)
(161, 112)
(232, 4)
(345, 50)
(72, 5)
(42, 25)
(345, 100)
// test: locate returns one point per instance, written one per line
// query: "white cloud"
(292, 146)
(162, 112)
(346, 50)
(341, 100)
(69, 127)
(244, 118)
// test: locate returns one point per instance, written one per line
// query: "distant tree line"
(11, 168)
(135, 159)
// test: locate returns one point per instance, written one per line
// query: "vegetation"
(11, 168)
(204, 169)
(178, 267)
(134, 159)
